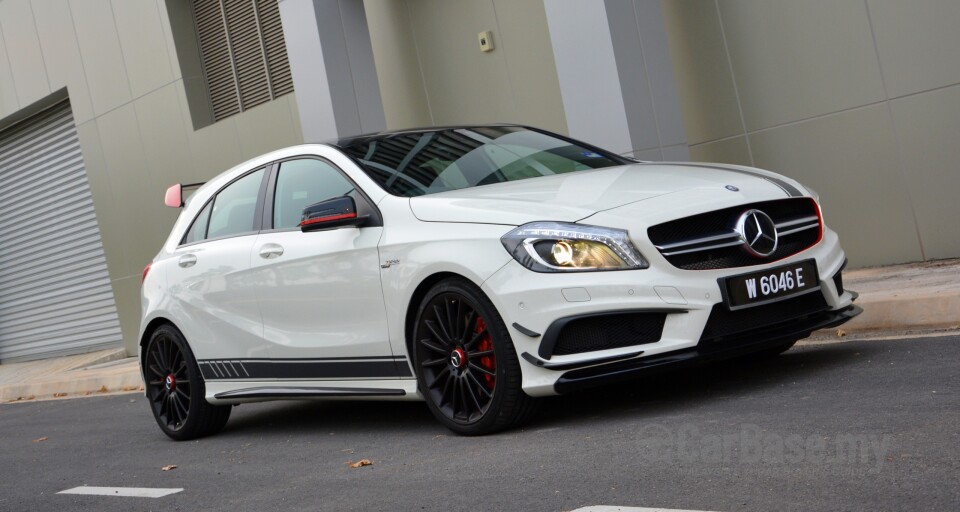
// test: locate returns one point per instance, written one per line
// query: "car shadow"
(670, 392)
(664, 393)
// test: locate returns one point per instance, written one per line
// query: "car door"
(210, 277)
(321, 300)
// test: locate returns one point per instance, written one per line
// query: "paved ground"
(860, 425)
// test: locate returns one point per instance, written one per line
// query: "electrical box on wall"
(486, 41)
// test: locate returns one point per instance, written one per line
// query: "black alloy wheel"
(466, 364)
(176, 389)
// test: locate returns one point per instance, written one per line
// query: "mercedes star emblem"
(758, 233)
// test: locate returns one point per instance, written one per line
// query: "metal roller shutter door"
(55, 293)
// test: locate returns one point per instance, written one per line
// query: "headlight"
(562, 247)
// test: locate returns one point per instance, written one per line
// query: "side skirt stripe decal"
(305, 369)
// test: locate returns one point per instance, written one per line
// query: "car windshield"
(417, 163)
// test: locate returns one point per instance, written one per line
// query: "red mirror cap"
(174, 196)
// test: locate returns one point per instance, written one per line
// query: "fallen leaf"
(42, 439)
(130, 388)
(841, 333)
(360, 463)
(168, 467)
(59, 395)
(103, 389)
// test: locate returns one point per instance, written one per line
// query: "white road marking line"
(612, 508)
(135, 492)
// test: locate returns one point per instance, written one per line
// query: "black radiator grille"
(707, 241)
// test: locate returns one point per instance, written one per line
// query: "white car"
(474, 268)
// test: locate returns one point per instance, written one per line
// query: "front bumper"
(530, 303)
(742, 344)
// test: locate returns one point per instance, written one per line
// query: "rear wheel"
(466, 365)
(176, 390)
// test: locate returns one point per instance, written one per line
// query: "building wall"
(119, 65)
(432, 71)
(859, 99)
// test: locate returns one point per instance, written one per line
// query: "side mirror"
(174, 196)
(332, 213)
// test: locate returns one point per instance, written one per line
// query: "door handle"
(270, 251)
(188, 260)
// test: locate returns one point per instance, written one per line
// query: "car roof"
(367, 137)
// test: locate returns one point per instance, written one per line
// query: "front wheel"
(467, 368)
(176, 390)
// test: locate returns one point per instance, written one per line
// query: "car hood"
(574, 196)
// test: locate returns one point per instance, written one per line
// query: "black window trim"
(257, 214)
(365, 206)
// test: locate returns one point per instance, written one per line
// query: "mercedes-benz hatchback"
(474, 268)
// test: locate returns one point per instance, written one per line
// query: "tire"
(466, 365)
(176, 390)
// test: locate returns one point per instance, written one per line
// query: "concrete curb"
(915, 313)
(913, 297)
(109, 371)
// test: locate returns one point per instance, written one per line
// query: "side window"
(235, 207)
(304, 182)
(198, 231)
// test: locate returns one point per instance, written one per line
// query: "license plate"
(771, 285)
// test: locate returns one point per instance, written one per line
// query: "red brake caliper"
(488, 362)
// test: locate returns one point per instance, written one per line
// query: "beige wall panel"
(8, 90)
(100, 50)
(126, 293)
(398, 67)
(142, 218)
(101, 188)
(794, 60)
(222, 135)
(295, 113)
(525, 41)
(728, 151)
(704, 83)
(61, 54)
(164, 134)
(23, 50)
(850, 159)
(463, 84)
(649, 154)
(267, 127)
(144, 45)
(918, 42)
(928, 126)
(168, 39)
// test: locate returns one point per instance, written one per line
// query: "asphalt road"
(862, 425)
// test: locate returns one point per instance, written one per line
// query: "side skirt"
(281, 392)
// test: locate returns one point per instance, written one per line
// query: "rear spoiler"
(174, 196)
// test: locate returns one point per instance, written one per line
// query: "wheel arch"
(414, 304)
(148, 331)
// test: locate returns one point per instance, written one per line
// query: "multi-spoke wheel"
(175, 388)
(465, 361)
